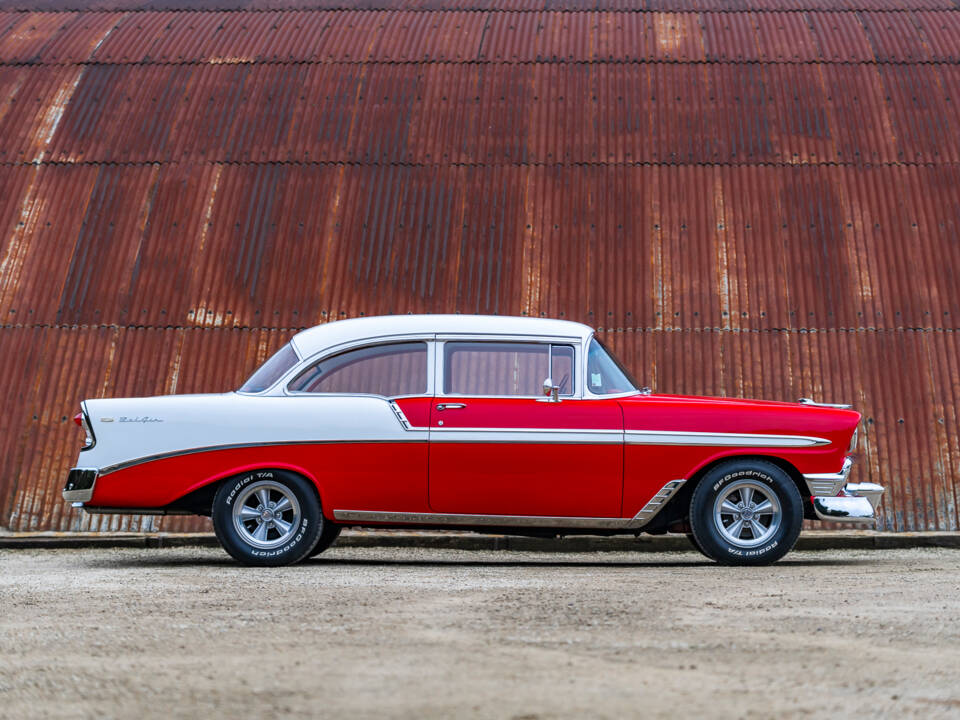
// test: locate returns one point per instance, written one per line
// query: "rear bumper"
(80, 484)
(837, 500)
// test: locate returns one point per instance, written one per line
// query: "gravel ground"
(440, 633)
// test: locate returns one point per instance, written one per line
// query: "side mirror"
(551, 391)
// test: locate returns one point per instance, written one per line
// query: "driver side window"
(506, 368)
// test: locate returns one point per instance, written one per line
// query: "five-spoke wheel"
(746, 512)
(267, 517)
(266, 514)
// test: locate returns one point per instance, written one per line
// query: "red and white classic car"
(495, 424)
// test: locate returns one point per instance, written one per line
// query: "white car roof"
(316, 339)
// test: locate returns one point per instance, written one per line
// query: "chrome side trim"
(656, 503)
(415, 437)
(671, 437)
(646, 514)
(829, 484)
(398, 411)
(524, 435)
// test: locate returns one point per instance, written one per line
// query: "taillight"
(81, 420)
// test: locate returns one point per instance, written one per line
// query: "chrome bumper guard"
(857, 502)
(80, 483)
(839, 501)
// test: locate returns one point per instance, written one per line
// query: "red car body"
(597, 455)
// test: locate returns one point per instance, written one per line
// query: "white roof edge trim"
(316, 339)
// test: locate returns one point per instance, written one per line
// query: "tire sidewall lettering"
(778, 482)
(307, 532)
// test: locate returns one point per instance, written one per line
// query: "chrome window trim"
(357, 345)
(442, 339)
(588, 394)
(281, 380)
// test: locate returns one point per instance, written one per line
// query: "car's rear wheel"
(746, 512)
(328, 536)
(267, 517)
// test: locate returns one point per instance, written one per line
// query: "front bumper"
(857, 503)
(80, 484)
(837, 500)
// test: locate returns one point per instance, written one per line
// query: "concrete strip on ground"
(452, 540)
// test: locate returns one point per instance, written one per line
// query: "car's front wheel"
(267, 517)
(746, 512)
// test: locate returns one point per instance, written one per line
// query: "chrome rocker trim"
(646, 514)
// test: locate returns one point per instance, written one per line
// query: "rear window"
(272, 370)
(390, 370)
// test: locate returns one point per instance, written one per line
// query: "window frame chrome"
(442, 338)
(341, 348)
(587, 392)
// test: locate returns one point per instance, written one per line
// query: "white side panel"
(133, 428)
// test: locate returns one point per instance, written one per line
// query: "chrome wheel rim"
(266, 514)
(747, 513)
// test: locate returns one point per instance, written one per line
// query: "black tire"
(290, 533)
(328, 536)
(693, 541)
(758, 494)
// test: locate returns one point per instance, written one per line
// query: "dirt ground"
(444, 633)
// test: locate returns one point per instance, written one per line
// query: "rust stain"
(47, 127)
(670, 31)
(18, 244)
(201, 315)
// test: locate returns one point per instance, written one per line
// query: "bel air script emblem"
(142, 419)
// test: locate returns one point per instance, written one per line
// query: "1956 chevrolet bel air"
(495, 424)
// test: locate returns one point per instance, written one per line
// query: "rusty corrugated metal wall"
(758, 198)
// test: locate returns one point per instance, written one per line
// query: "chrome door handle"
(451, 406)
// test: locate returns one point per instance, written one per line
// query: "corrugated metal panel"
(531, 113)
(760, 200)
(764, 247)
(712, 6)
(416, 36)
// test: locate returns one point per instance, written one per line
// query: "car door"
(498, 446)
(384, 388)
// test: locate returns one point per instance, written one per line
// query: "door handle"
(451, 406)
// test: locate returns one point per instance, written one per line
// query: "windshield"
(272, 370)
(606, 376)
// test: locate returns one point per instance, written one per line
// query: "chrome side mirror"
(551, 391)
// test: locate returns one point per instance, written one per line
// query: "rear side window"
(272, 370)
(389, 370)
(506, 368)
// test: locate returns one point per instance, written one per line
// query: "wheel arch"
(677, 509)
(199, 498)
